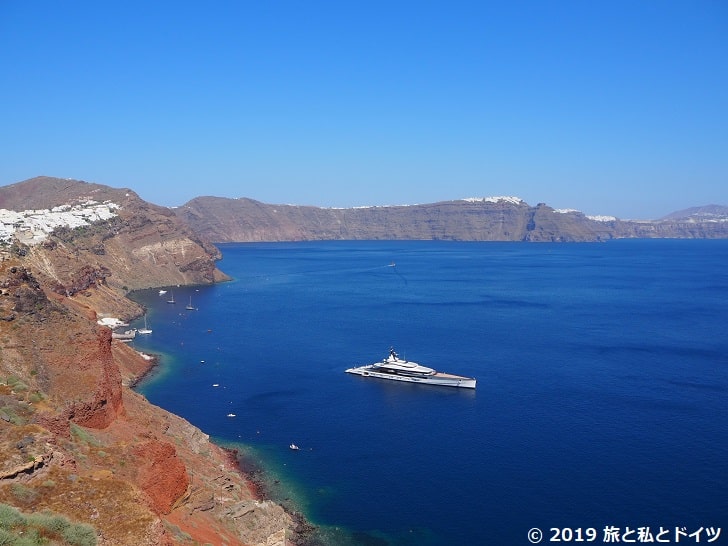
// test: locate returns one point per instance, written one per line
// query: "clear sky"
(609, 107)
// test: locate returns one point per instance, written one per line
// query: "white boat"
(144, 330)
(171, 298)
(162, 292)
(294, 447)
(395, 368)
(189, 305)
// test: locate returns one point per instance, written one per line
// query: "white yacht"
(146, 330)
(397, 369)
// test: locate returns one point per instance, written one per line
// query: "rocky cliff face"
(74, 438)
(142, 245)
(244, 220)
(490, 219)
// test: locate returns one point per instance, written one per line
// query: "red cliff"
(74, 438)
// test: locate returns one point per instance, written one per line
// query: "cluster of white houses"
(32, 226)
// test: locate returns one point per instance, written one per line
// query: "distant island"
(473, 219)
(31, 208)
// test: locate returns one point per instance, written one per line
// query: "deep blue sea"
(602, 396)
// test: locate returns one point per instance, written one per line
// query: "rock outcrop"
(162, 474)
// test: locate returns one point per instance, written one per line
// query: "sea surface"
(602, 397)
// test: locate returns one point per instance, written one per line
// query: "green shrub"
(23, 494)
(9, 517)
(6, 538)
(18, 529)
(83, 435)
(178, 533)
(8, 414)
(80, 535)
(46, 520)
(30, 537)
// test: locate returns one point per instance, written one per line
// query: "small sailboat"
(144, 330)
(189, 305)
(171, 298)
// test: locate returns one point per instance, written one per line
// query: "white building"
(33, 226)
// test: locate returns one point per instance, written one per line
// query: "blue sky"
(610, 107)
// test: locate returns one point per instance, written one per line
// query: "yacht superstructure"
(398, 369)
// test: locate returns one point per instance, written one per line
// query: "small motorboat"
(294, 447)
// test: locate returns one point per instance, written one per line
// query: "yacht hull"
(438, 379)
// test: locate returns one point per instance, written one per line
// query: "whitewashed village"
(33, 226)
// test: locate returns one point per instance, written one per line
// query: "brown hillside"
(74, 438)
(45, 192)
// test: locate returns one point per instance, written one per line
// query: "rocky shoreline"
(134, 381)
(249, 470)
(67, 403)
(303, 532)
(254, 475)
(67, 400)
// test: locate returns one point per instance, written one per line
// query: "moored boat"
(395, 368)
(146, 330)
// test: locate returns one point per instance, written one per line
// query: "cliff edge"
(75, 440)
